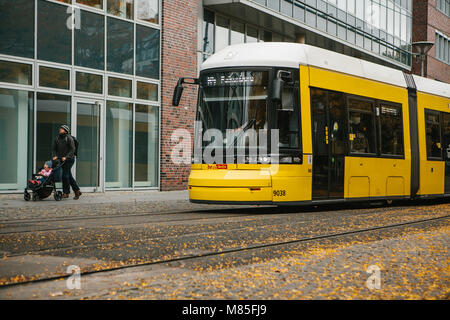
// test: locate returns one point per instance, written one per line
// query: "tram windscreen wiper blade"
(249, 124)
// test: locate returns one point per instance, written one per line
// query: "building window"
(54, 78)
(433, 135)
(147, 10)
(17, 73)
(54, 39)
(147, 52)
(222, 33)
(208, 34)
(17, 28)
(88, 134)
(286, 7)
(252, 34)
(52, 111)
(98, 4)
(391, 130)
(88, 82)
(361, 126)
(119, 87)
(146, 146)
(120, 46)
(443, 6)
(442, 48)
(274, 4)
(16, 138)
(90, 41)
(121, 8)
(237, 32)
(147, 91)
(119, 144)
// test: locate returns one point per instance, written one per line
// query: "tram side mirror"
(277, 89)
(278, 84)
(177, 93)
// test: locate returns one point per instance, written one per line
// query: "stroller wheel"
(26, 196)
(35, 197)
(58, 195)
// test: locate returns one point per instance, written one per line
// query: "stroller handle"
(59, 163)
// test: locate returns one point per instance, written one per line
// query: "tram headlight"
(286, 160)
(264, 160)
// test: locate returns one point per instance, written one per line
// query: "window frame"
(12, 85)
(438, 113)
(119, 98)
(91, 71)
(148, 81)
(53, 66)
(273, 113)
(378, 124)
(373, 113)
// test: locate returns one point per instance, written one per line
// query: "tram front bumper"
(230, 186)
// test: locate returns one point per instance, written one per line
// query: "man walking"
(64, 149)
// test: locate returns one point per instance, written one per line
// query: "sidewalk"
(16, 200)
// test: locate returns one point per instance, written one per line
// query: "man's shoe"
(77, 195)
(65, 195)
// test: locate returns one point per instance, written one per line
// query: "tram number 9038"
(279, 193)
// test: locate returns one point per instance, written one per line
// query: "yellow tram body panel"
(251, 182)
(432, 173)
(367, 177)
(376, 177)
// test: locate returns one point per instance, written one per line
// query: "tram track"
(274, 221)
(127, 224)
(259, 210)
(215, 253)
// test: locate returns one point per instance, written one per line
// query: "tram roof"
(432, 86)
(292, 55)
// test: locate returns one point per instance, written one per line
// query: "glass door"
(88, 133)
(328, 132)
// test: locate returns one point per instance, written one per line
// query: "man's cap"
(66, 128)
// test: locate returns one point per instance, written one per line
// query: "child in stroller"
(42, 175)
(43, 183)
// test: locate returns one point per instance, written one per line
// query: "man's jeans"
(67, 178)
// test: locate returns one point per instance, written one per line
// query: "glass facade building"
(93, 65)
(379, 29)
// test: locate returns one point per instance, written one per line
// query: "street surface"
(157, 245)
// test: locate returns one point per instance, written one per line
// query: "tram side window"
(288, 118)
(433, 134)
(361, 126)
(391, 130)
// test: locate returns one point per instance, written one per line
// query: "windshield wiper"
(249, 124)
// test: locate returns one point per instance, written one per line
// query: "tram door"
(446, 148)
(328, 133)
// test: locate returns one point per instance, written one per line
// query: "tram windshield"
(233, 100)
(234, 113)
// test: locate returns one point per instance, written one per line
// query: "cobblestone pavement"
(134, 235)
(410, 267)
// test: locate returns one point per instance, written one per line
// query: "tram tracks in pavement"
(216, 253)
(258, 210)
(264, 223)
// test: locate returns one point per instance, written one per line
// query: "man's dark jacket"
(64, 146)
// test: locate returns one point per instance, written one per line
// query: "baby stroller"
(45, 189)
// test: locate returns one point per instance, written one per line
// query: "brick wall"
(426, 20)
(178, 59)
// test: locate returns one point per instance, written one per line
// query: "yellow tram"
(324, 127)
